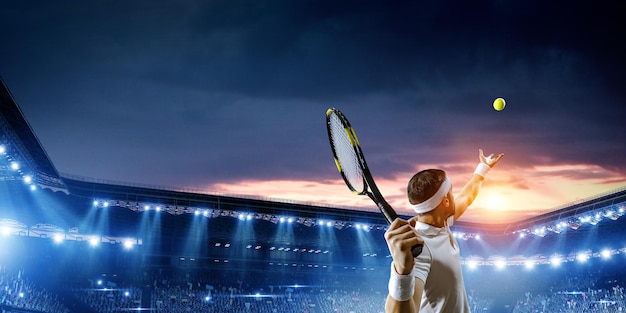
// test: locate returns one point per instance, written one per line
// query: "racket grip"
(416, 249)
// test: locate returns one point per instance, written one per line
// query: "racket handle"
(416, 249)
(390, 215)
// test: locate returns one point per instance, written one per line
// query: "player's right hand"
(400, 237)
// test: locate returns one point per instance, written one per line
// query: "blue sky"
(230, 96)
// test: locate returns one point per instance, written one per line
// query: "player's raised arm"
(469, 192)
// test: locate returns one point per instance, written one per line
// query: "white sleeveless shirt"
(439, 267)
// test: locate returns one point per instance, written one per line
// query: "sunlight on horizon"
(504, 197)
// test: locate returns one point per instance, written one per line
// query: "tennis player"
(432, 281)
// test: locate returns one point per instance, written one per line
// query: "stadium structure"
(77, 244)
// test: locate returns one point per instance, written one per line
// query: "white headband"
(433, 201)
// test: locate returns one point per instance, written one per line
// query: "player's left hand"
(490, 160)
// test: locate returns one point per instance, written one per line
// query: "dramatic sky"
(230, 96)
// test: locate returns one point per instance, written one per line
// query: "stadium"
(81, 244)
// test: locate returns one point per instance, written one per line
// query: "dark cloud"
(226, 90)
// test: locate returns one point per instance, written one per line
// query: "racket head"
(351, 164)
(346, 151)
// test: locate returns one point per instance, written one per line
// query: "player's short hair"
(424, 185)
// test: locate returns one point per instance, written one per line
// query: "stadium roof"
(21, 145)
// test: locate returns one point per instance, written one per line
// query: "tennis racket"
(352, 166)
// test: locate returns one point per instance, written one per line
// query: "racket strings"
(344, 144)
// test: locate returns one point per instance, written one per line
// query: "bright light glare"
(495, 202)
(529, 264)
(582, 257)
(15, 166)
(556, 261)
(605, 254)
(28, 179)
(472, 264)
(128, 244)
(2, 150)
(500, 264)
(94, 241)
(58, 238)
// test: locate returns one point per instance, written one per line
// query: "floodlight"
(605, 254)
(528, 264)
(582, 257)
(94, 241)
(472, 264)
(500, 264)
(556, 261)
(58, 238)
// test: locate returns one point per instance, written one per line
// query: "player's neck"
(433, 219)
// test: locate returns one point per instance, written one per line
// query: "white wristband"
(482, 169)
(401, 287)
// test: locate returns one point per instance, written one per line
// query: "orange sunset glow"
(505, 196)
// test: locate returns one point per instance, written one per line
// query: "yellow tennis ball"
(499, 104)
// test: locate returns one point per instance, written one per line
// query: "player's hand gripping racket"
(351, 164)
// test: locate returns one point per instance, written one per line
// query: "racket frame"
(373, 193)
